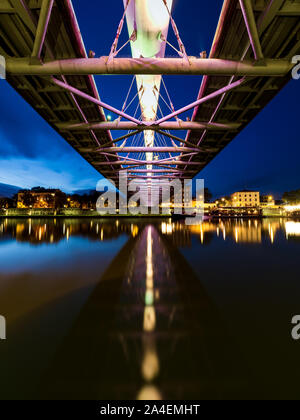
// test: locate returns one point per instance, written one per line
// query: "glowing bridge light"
(150, 19)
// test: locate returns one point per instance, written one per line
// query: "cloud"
(63, 172)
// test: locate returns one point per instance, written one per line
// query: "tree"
(28, 199)
(6, 202)
(292, 197)
(60, 199)
(207, 195)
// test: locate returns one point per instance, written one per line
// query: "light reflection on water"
(35, 231)
(144, 302)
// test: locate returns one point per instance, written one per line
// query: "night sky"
(265, 156)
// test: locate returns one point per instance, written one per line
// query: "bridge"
(249, 63)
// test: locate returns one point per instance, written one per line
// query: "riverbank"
(78, 213)
(67, 213)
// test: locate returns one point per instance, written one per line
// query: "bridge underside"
(249, 63)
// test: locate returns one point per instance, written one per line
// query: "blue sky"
(264, 156)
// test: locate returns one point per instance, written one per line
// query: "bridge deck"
(278, 23)
(18, 25)
(279, 30)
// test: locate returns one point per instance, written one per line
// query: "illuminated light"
(134, 231)
(224, 234)
(68, 234)
(149, 298)
(167, 229)
(149, 261)
(272, 235)
(202, 235)
(236, 235)
(149, 319)
(292, 208)
(108, 118)
(149, 393)
(150, 366)
(150, 19)
(149, 243)
(292, 229)
(40, 234)
(101, 235)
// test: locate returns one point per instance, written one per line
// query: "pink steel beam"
(170, 125)
(215, 45)
(74, 23)
(151, 66)
(142, 149)
(202, 100)
(126, 136)
(250, 22)
(42, 27)
(151, 177)
(152, 171)
(94, 100)
(163, 133)
(143, 163)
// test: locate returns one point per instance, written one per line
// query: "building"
(245, 199)
(41, 198)
(267, 201)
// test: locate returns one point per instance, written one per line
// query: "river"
(149, 309)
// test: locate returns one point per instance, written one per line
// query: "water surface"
(129, 308)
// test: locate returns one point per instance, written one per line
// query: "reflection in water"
(110, 309)
(292, 229)
(38, 231)
(150, 363)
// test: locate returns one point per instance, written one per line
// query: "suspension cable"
(120, 27)
(176, 32)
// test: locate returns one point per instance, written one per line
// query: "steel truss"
(173, 167)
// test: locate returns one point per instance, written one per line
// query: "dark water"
(127, 309)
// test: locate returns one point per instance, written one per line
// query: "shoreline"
(93, 214)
